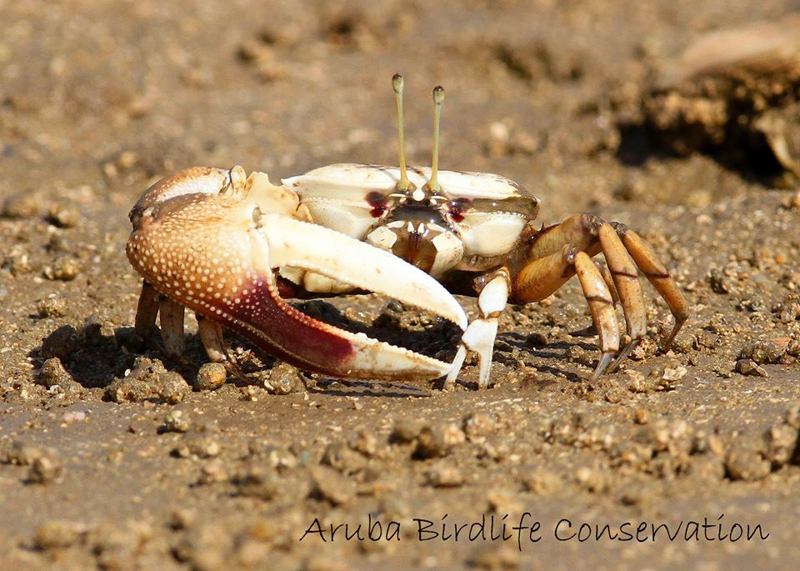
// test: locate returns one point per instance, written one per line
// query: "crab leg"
(172, 326)
(216, 254)
(629, 289)
(146, 312)
(211, 336)
(481, 333)
(544, 263)
(658, 275)
(601, 306)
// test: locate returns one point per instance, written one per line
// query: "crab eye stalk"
(397, 85)
(438, 97)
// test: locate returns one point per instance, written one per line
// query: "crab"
(229, 246)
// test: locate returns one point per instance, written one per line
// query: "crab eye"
(378, 203)
(458, 207)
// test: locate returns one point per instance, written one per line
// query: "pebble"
(53, 373)
(438, 440)
(23, 454)
(541, 482)
(343, 458)
(707, 467)
(749, 368)
(61, 343)
(213, 472)
(405, 430)
(45, 469)
(148, 380)
(56, 534)
(258, 482)
(364, 442)
(210, 377)
(504, 502)
(275, 456)
(746, 459)
(284, 379)
(330, 485)
(177, 421)
(478, 425)
(590, 479)
(782, 440)
(63, 217)
(52, 306)
(496, 558)
(444, 475)
(65, 268)
(20, 206)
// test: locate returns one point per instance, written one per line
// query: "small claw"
(623, 354)
(458, 362)
(679, 321)
(479, 337)
(602, 365)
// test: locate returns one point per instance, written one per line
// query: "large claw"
(216, 254)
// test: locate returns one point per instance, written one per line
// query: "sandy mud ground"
(112, 456)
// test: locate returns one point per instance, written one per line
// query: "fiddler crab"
(233, 247)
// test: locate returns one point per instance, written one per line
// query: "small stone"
(746, 459)
(45, 469)
(541, 482)
(330, 485)
(641, 416)
(20, 206)
(503, 502)
(23, 454)
(343, 458)
(478, 425)
(52, 306)
(536, 340)
(257, 482)
(591, 480)
(364, 442)
(182, 518)
(176, 421)
(56, 534)
(748, 367)
(64, 269)
(63, 217)
(148, 380)
(438, 440)
(276, 457)
(210, 377)
(793, 416)
(61, 343)
(674, 374)
(204, 446)
(781, 444)
(443, 475)
(53, 373)
(213, 472)
(496, 558)
(405, 430)
(284, 379)
(707, 467)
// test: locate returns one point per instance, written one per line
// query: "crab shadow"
(95, 354)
